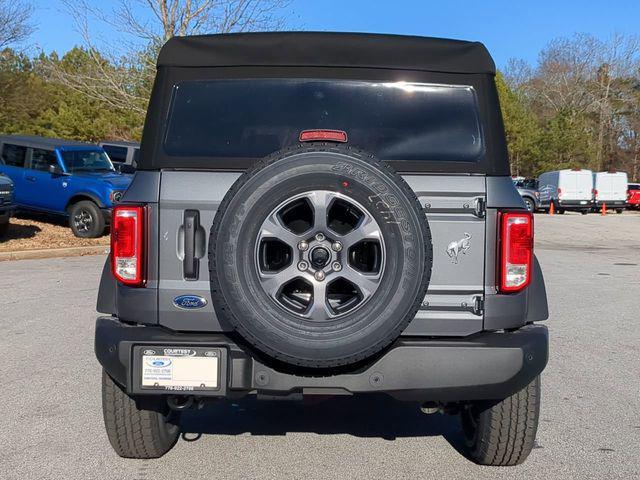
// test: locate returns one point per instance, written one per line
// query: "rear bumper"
(612, 203)
(575, 204)
(483, 366)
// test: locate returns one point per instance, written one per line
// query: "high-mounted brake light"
(127, 244)
(516, 250)
(323, 135)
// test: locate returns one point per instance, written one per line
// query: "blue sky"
(510, 29)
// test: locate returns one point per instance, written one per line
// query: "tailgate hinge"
(478, 305)
(480, 207)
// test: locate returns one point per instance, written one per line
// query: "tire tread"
(133, 432)
(507, 430)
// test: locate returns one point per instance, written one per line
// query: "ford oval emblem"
(158, 362)
(189, 302)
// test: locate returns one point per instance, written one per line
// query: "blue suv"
(63, 177)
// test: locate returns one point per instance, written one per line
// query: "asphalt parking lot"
(590, 422)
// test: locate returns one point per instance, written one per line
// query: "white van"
(567, 190)
(610, 188)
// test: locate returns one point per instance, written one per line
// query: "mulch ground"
(36, 232)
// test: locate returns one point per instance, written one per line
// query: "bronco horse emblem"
(461, 246)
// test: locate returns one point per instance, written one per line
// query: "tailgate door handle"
(30, 178)
(191, 262)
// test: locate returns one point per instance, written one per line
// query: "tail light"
(516, 250)
(127, 244)
(595, 192)
(559, 192)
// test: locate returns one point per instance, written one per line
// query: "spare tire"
(319, 256)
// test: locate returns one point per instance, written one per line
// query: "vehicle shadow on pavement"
(359, 416)
(58, 220)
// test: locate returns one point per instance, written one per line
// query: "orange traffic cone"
(604, 209)
(552, 209)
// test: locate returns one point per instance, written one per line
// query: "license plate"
(583, 202)
(180, 368)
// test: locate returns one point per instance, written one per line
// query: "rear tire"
(86, 219)
(134, 432)
(503, 433)
(4, 228)
(619, 210)
(584, 212)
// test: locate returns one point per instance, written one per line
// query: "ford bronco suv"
(323, 214)
(61, 177)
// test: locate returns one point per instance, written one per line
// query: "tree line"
(577, 107)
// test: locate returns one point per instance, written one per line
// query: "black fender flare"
(79, 196)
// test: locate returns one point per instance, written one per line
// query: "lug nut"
(303, 266)
(319, 275)
(337, 266)
(320, 237)
(303, 246)
(336, 246)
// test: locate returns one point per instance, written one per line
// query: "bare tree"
(15, 23)
(122, 66)
(189, 17)
(566, 68)
(579, 77)
(517, 73)
(619, 58)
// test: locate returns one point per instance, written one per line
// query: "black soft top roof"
(313, 49)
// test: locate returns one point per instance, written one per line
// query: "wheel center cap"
(319, 257)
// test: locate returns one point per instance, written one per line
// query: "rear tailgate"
(576, 185)
(453, 205)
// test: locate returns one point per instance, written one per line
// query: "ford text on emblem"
(189, 302)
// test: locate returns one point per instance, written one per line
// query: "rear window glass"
(116, 154)
(251, 118)
(14, 155)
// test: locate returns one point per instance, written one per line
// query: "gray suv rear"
(341, 222)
